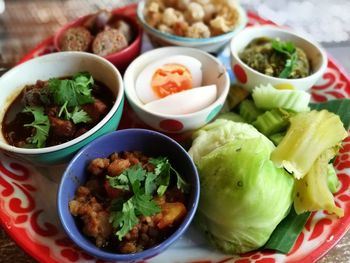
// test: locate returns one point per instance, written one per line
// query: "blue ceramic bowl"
(59, 65)
(150, 143)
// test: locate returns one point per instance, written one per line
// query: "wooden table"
(25, 23)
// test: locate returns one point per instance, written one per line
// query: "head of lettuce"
(243, 195)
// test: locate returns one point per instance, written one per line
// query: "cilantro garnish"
(119, 182)
(288, 68)
(150, 186)
(41, 125)
(73, 92)
(69, 93)
(136, 175)
(288, 48)
(162, 170)
(124, 220)
(78, 115)
(145, 205)
(143, 185)
(180, 183)
(66, 93)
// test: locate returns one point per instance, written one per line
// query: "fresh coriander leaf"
(161, 190)
(162, 169)
(116, 211)
(76, 91)
(65, 111)
(53, 84)
(150, 183)
(287, 47)
(62, 91)
(136, 174)
(288, 68)
(278, 46)
(180, 183)
(83, 95)
(143, 184)
(41, 124)
(84, 82)
(79, 116)
(83, 79)
(160, 163)
(145, 205)
(119, 182)
(116, 205)
(38, 113)
(125, 220)
(113, 218)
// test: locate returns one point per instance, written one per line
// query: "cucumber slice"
(249, 111)
(267, 97)
(273, 121)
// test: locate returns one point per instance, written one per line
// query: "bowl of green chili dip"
(276, 56)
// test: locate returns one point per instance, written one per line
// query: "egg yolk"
(170, 79)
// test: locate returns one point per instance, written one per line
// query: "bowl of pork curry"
(55, 104)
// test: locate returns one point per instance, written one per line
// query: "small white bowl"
(250, 78)
(211, 44)
(60, 65)
(214, 72)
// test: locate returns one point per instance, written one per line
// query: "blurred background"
(25, 23)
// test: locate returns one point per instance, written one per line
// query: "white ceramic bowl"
(59, 65)
(214, 72)
(212, 44)
(250, 78)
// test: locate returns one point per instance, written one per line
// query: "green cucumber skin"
(249, 111)
(272, 121)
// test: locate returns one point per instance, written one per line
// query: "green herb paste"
(276, 58)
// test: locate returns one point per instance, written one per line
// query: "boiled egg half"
(173, 85)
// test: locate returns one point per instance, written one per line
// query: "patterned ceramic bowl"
(249, 78)
(60, 65)
(213, 71)
(150, 143)
(211, 44)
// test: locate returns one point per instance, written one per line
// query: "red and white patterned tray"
(28, 198)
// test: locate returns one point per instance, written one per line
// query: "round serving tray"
(28, 195)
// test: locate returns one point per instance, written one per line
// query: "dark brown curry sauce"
(14, 119)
